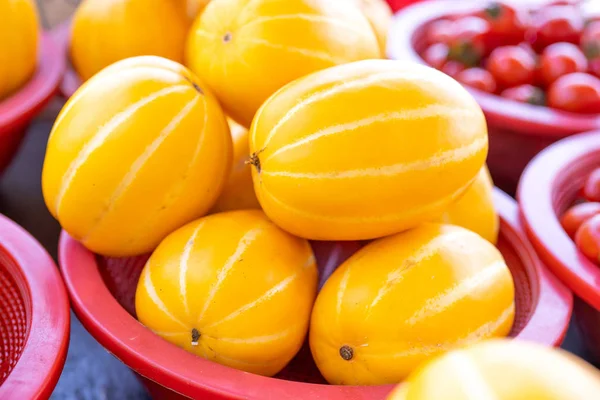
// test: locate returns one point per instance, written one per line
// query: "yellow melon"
(475, 209)
(238, 193)
(246, 50)
(139, 150)
(366, 149)
(404, 299)
(19, 32)
(232, 288)
(379, 14)
(195, 7)
(502, 370)
(106, 31)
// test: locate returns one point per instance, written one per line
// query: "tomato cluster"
(582, 221)
(547, 56)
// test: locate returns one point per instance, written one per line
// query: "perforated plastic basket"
(17, 111)
(102, 295)
(549, 186)
(34, 317)
(517, 131)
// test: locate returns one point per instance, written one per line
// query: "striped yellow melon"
(475, 210)
(404, 299)
(503, 370)
(245, 50)
(195, 7)
(107, 31)
(138, 151)
(18, 44)
(379, 14)
(366, 149)
(238, 193)
(232, 288)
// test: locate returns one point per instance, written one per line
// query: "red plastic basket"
(517, 131)
(102, 295)
(34, 316)
(550, 184)
(17, 111)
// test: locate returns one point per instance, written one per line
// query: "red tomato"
(436, 55)
(477, 78)
(526, 94)
(591, 189)
(453, 68)
(578, 92)
(553, 24)
(527, 47)
(561, 59)
(577, 215)
(590, 40)
(469, 43)
(594, 67)
(440, 31)
(587, 239)
(507, 24)
(512, 66)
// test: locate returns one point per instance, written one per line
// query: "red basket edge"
(554, 246)
(18, 109)
(38, 369)
(140, 349)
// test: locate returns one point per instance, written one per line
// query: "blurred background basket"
(517, 131)
(102, 294)
(34, 317)
(17, 111)
(550, 185)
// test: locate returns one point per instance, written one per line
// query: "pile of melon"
(333, 143)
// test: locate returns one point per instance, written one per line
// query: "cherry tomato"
(578, 92)
(469, 43)
(559, 23)
(587, 239)
(477, 78)
(440, 31)
(561, 59)
(526, 94)
(507, 24)
(594, 67)
(591, 189)
(436, 55)
(527, 47)
(577, 215)
(512, 66)
(453, 68)
(590, 40)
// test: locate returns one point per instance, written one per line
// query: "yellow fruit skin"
(238, 193)
(246, 50)
(475, 209)
(195, 7)
(242, 282)
(135, 153)
(365, 150)
(19, 43)
(502, 370)
(106, 31)
(404, 299)
(379, 14)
